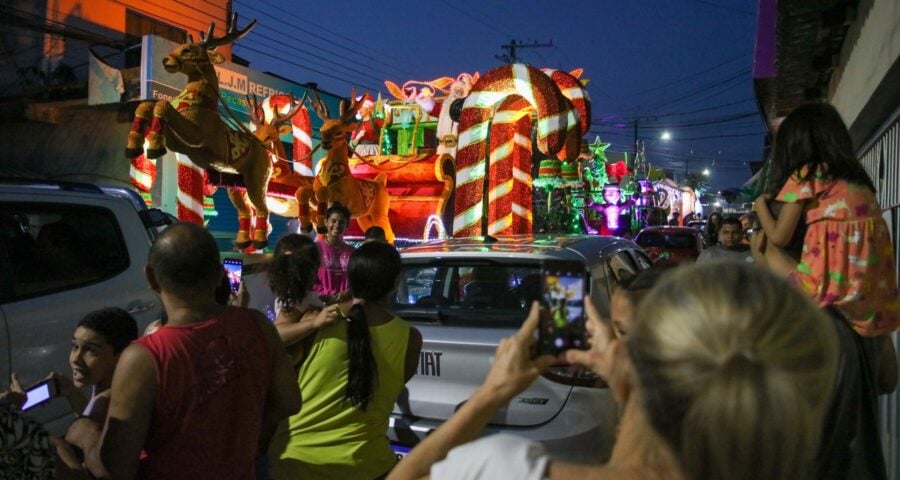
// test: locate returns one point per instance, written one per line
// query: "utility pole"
(513, 45)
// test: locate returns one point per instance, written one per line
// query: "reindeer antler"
(279, 118)
(207, 40)
(349, 109)
(253, 104)
(319, 106)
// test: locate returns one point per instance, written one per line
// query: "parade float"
(464, 156)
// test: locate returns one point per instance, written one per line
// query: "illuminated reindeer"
(190, 124)
(269, 134)
(367, 200)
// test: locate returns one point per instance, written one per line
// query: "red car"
(671, 244)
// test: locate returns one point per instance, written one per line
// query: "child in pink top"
(847, 260)
(332, 278)
(847, 267)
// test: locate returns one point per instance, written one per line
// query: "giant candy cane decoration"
(574, 90)
(301, 129)
(497, 91)
(191, 185)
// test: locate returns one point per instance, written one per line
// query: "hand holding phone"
(565, 287)
(233, 267)
(40, 393)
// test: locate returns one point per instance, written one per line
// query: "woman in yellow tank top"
(350, 378)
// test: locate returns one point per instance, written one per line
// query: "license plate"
(400, 450)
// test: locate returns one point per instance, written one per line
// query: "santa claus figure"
(446, 127)
(364, 141)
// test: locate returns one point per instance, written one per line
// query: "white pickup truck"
(67, 249)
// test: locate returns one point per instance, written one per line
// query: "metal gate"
(881, 159)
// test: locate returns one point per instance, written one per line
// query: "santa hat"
(367, 100)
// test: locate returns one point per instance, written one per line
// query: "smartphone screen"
(233, 268)
(563, 296)
(39, 394)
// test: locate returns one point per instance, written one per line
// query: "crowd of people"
(772, 370)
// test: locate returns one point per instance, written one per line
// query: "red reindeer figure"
(367, 200)
(190, 124)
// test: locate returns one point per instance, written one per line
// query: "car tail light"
(580, 377)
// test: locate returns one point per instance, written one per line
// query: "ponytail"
(373, 271)
(749, 422)
(362, 374)
(734, 374)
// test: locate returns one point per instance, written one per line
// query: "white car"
(463, 315)
(67, 249)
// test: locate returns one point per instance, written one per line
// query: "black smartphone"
(565, 288)
(233, 267)
(40, 393)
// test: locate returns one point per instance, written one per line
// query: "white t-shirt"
(496, 457)
(311, 300)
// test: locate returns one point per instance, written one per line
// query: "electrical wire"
(290, 62)
(383, 57)
(682, 79)
(351, 61)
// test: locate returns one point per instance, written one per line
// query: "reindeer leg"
(156, 142)
(257, 181)
(381, 205)
(239, 200)
(135, 144)
(322, 207)
(303, 214)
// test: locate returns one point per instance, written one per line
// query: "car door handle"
(137, 308)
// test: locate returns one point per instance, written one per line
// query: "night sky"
(677, 65)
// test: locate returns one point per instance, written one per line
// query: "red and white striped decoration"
(190, 190)
(509, 177)
(142, 172)
(499, 91)
(574, 90)
(301, 130)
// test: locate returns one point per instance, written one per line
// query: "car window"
(672, 240)
(622, 266)
(641, 259)
(468, 293)
(55, 247)
(600, 292)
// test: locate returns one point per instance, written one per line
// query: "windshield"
(457, 289)
(656, 239)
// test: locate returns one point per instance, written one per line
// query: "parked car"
(446, 292)
(67, 249)
(671, 244)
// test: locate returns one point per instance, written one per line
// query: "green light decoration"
(549, 174)
(595, 171)
(598, 148)
(387, 143)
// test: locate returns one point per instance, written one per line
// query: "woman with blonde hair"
(733, 376)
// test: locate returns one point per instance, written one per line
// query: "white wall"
(867, 59)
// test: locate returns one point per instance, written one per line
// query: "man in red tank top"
(201, 396)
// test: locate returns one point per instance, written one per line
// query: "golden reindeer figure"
(367, 200)
(190, 124)
(269, 134)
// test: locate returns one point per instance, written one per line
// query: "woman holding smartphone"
(350, 376)
(734, 388)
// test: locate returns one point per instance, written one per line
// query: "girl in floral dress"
(846, 266)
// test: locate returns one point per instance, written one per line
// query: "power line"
(675, 82)
(275, 57)
(492, 27)
(254, 33)
(383, 56)
(717, 85)
(376, 66)
(725, 7)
